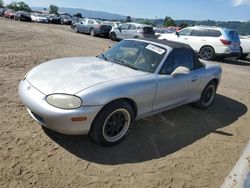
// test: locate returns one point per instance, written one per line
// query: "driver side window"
(125, 26)
(184, 58)
(177, 58)
(167, 68)
(185, 32)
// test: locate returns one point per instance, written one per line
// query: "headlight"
(64, 101)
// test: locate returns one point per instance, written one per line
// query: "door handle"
(195, 78)
(185, 38)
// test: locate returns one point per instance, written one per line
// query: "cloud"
(241, 2)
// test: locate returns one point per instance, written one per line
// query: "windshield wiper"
(121, 62)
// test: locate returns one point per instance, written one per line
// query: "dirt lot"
(184, 147)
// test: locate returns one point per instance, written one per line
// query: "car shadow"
(234, 61)
(159, 135)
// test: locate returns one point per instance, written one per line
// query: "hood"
(71, 75)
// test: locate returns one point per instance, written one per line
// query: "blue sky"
(223, 10)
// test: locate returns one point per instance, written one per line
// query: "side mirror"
(180, 71)
(120, 29)
(177, 33)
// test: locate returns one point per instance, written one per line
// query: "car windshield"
(135, 54)
(110, 24)
(98, 21)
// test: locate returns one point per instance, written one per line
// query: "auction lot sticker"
(155, 49)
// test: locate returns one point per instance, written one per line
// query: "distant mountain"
(87, 13)
(242, 28)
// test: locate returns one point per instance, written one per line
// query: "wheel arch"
(129, 101)
(206, 46)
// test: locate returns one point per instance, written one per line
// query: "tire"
(207, 53)
(112, 124)
(113, 36)
(92, 32)
(242, 55)
(75, 29)
(207, 96)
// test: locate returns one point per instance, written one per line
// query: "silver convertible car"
(103, 96)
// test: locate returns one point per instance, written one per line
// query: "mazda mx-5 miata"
(103, 96)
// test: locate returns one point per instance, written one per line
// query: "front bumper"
(53, 118)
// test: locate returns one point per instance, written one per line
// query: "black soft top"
(175, 46)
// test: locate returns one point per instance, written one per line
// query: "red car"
(9, 14)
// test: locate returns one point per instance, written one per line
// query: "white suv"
(208, 42)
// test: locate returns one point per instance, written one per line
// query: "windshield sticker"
(155, 49)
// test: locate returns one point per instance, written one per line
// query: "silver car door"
(179, 90)
(122, 32)
(81, 26)
(132, 31)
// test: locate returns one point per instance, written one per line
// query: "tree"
(183, 25)
(128, 19)
(19, 6)
(78, 15)
(53, 9)
(169, 22)
(1, 3)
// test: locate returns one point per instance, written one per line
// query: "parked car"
(2, 10)
(159, 31)
(112, 24)
(103, 96)
(131, 30)
(66, 19)
(245, 47)
(208, 42)
(9, 14)
(76, 21)
(22, 16)
(39, 18)
(54, 19)
(93, 27)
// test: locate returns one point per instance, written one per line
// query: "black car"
(66, 19)
(54, 19)
(101, 30)
(22, 16)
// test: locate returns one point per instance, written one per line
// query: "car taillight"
(225, 42)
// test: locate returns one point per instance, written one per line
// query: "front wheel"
(113, 36)
(76, 29)
(92, 32)
(207, 96)
(207, 53)
(112, 124)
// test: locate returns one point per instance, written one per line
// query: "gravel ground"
(184, 147)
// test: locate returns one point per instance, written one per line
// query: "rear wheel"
(207, 53)
(112, 124)
(113, 36)
(207, 96)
